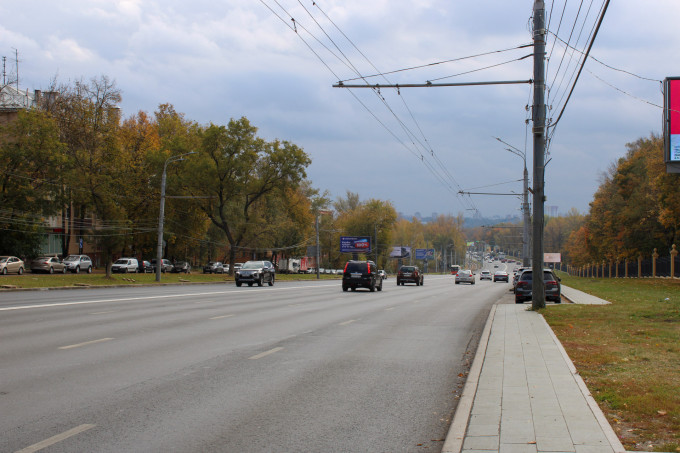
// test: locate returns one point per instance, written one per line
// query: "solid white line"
(103, 312)
(347, 322)
(221, 317)
(265, 354)
(101, 340)
(168, 296)
(58, 438)
(388, 309)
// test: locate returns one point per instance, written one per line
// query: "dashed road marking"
(222, 317)
(58, 438)
(86, 343)
(348, 322)
(265, 354)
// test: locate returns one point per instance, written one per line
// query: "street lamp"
(159, 248)
(525, 203)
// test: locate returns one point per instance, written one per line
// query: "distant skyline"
(413, 147)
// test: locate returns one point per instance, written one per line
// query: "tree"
(234, 173)
(30, 157)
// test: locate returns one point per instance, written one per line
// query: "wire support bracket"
(430, 84)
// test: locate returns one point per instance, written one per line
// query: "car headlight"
(237, 273)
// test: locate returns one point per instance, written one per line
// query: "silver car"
(465, 276)
(49, 264)
(77, 263)
(11, 264)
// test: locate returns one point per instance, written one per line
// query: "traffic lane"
(147, 355)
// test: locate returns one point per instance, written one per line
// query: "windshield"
(253, 265)
(408, 269)
(121, 262)
(3, 259)
(71, 258)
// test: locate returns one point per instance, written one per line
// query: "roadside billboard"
(400, 252)
(552, 257)
(355, 244)
(425, 254)
(671, 87)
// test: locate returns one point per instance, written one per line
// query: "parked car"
(255, 272)
(485, 275)
(166, 265)
(361, 274)
(10, 264)
(518, 272)
(77, 263)
(551, 283)
(125, 265)
(465, 276)
(382, 274)
(145, 267)
(182, 267)
(237, 266)
(501, 276)
(214, 267)
(48, 264)
(410, 274)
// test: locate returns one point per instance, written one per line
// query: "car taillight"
(551, 282)
(345, 269)
(521, 284)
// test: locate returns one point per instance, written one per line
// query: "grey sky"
(215, 60)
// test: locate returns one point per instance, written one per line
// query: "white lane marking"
(86, 343)
(388, 309)
(221, 317)
(58, 438)
(103, 312)
(347, 322)
(264, 354)
(168, 296)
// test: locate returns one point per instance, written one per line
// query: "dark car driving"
(361, 274)
(255, 272)
(410, 274)
(550, 281)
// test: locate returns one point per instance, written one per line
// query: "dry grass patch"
(628, 353)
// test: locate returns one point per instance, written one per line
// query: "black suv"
(410, 274)
(551, 283)
(361, 274)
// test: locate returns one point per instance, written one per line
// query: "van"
(125, 265)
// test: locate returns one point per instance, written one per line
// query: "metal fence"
(654, 265)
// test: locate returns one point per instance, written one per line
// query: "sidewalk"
(523, 393)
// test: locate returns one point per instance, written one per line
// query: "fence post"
(617, 267)
(610, 268)
(602, 269)
(625, 267)
(655, 255)
(674, 253)
(640, 265)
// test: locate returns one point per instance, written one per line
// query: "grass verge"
(29, 280)
(628, 353)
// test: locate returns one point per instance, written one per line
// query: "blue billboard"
(425, 254)
(355, 244)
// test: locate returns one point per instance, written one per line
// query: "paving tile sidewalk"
(523, 394)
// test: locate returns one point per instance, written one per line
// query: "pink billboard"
(673, 127)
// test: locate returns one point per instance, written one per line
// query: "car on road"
(485, 275)
(77, 263)
(501, 276)
(410, 274)
(465, 276)
(181, 267)
(255, 272)
(383, 274)
(125, 265)
(48, 264)
(214, 267)
(551, 282)
(11, 264)
(361, 274)
(166, 265)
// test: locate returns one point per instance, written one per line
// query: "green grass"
(628, 353)
(98, 278)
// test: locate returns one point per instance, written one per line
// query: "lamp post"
(525, 203)
(161, 214)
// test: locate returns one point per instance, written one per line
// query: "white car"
(485, 275)
(465, 276)
(125, 265)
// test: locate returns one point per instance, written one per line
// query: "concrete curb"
(456, 434)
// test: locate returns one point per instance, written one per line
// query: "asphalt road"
(300, 366)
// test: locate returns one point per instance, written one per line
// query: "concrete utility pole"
(538, 117)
